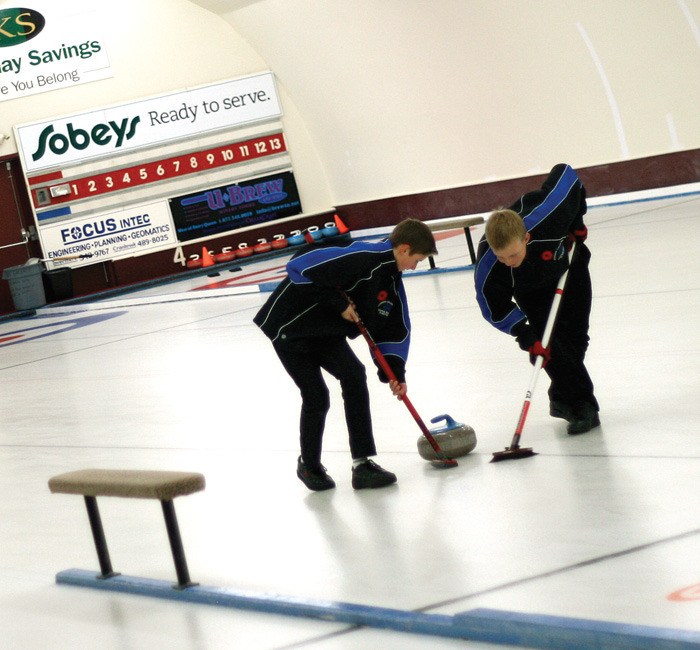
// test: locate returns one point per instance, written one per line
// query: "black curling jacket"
(308, 302)
(550, 214)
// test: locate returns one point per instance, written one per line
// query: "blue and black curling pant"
(303, 360)
(570, 381)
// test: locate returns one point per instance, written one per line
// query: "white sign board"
(46, 51)
(61, 142)
(122, 233)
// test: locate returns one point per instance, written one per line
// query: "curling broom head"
(512, 453)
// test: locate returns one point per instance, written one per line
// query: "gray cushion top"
(137, 484)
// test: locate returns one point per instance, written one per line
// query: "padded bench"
(132, 484)
(452, 223)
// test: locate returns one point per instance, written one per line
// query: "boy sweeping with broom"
(309, 318)
(520, 260)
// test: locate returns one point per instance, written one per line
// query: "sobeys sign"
(61, 142)
(79, 139)
(46, 51)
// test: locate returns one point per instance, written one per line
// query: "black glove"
(397, 368)
(525, 336)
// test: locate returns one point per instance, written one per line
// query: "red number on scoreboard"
(159, 170)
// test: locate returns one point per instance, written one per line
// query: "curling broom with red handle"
(515, 450)
(442, 461)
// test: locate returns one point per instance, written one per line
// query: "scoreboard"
(53, 189)
(103, 190)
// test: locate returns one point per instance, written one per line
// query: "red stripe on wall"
(664, 170)
(44, 178)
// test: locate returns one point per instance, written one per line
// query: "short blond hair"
(503, 227)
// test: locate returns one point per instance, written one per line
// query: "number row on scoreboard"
(159, 170)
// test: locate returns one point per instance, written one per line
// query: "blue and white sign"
(127, 232)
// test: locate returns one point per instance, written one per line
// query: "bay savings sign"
(46, 51)
(112, 131)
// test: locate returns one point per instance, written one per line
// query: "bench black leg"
(183, 574)
(470, 244)
(98, 535)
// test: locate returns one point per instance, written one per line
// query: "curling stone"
(455, 439)
(312, 235)
(226, 255)
(263, 246)
(296, 238)
(279, 242)
(316, 234)
(244, 250)
(330, 229)
(194, 263)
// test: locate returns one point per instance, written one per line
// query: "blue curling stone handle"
(450, 423)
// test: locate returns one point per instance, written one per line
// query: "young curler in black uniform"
(517, 300)
(304, 320)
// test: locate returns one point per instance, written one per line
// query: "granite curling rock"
(455, 439)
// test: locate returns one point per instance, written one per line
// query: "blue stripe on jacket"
(553, 200)
(537, 215)
(400, 348)
(483, 269)
(297, 267)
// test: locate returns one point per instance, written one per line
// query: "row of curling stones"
(314, 234)
(228, 254)
(311, 235)
(454, 438)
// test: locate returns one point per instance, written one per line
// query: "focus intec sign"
(123, 232)
(63, 142)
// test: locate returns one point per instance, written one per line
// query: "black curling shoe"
(584, 419)
(370, 475)
(314, 479)
(561, 410)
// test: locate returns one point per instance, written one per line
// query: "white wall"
(389, 97)
(402, 96)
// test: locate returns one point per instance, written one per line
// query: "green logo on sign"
(80, 139)
(19, 25)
